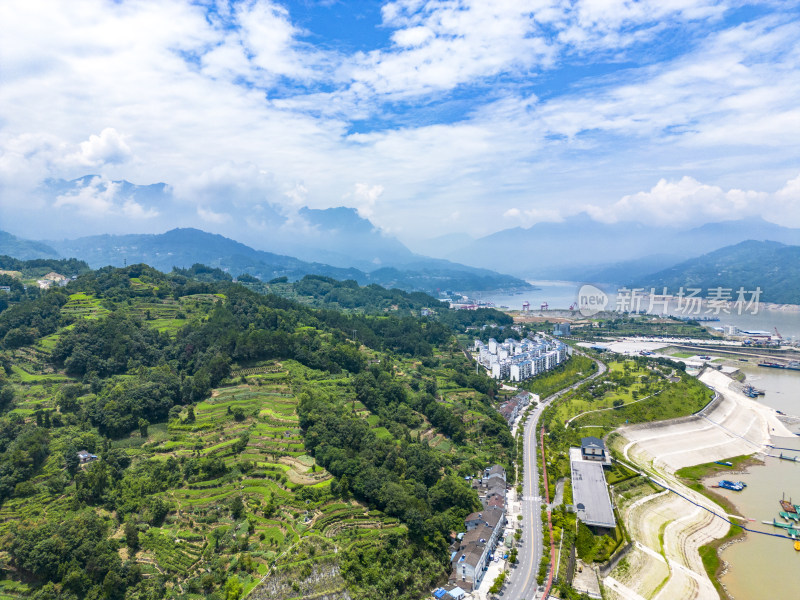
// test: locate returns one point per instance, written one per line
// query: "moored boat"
(736, 486)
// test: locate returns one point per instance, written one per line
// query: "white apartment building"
(518, 360)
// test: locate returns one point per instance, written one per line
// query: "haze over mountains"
(340, 243)
(580, 248)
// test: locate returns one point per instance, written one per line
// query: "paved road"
(522, 580)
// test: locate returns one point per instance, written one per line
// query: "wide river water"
(561, 294)
(763, 566)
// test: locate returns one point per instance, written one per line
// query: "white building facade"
(518, 360)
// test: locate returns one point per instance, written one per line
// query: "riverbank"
(670, 531)
(762, 565)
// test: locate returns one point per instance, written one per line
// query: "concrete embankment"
(670, 529)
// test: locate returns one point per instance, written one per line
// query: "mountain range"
(338, 242)
(582, 249)
(771, 266)
(338, 236)
(185, 247)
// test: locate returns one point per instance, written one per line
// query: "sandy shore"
(669, 530)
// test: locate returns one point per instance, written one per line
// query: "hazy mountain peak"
(339, 217)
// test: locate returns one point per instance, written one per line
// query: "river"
(562, 294)
(763, 566)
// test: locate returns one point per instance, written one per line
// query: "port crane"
(778, 334)
(544, 306)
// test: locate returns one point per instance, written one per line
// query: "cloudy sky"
(428, 116)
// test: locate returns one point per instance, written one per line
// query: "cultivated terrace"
(182, 436)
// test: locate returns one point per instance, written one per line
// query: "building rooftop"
(590, 492)
(471, 555)
(496, 470)
(592, 442)
(496, 502)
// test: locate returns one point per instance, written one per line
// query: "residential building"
(85, 457)
(519, 360)
(473, 549)
(560, 329)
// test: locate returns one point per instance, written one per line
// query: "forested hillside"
(167, 437)
(769, 266)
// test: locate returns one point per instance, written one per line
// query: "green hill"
(184, 247)
(239, 437)
(11, 245)
(771, 266)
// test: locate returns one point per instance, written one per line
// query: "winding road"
(522, 579)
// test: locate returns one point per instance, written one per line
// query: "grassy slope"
(272, 468)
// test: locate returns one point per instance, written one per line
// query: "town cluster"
(473, 549)
(518, 360)
(513, 407)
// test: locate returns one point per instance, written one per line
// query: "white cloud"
(229, 183)
(297, 194)
(100, 198)
(688, 201)
(270, 41)
(414, 36)
(109, 147)
(365, 197)
(440, 45)
(786, 208)
(134, 210)
(209, 216)
(235, 107)
(531, 216)
(94, 199)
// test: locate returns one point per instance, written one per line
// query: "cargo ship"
(792, 366)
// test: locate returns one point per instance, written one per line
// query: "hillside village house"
(85, 457)
(473, 550)
(52, 278)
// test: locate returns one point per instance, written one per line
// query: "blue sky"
(429, 117)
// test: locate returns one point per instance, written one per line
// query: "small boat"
(736, 486)
(787, 506)
(724, 463)
(797, 545)
(789, 527)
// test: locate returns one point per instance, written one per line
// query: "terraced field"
(85, 306)
(253, 430)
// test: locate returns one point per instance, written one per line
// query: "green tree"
(131, 536)
(237, 507)
(233, 588)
